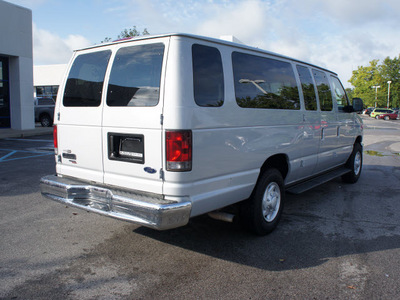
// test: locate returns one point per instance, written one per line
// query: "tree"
(364, 78)
(127, 33)
(390, 70)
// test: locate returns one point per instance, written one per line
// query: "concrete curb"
(12, 133)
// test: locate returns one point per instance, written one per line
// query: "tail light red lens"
(55, 139)
(179, 150)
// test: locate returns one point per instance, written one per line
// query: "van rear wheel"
(262, 211)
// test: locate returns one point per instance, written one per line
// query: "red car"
(392, 116)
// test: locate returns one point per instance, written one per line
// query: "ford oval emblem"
(150, 170)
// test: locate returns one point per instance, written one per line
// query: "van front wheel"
(354, 163)
(262, 212)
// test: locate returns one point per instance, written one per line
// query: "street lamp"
(389, 82)
(256, 83)
(376, 87)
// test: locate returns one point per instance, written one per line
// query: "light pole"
(376, 87)
(389, 82)
(256, 83)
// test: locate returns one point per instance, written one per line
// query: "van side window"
(208, 76)
(307, 84)
(264, 83)
(85, 80)
(339, 94)
(324, 91)
(135, 76)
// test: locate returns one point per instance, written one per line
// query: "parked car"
(379, 111)
(391, 116)
(158, 129)
(44, 111)
(368, 111)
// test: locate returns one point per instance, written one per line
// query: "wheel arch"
(44, 113)
(358, 140)
(277, 161)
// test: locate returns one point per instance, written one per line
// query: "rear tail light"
(179, 150)
(55, 139)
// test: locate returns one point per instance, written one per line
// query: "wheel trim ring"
(357, 163)
(271, 202)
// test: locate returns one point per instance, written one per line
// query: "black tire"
(354, 163)
(46, 121)
(262, 211)
(386, 118)
(377, 117)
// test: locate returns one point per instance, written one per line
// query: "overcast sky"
(336, 34)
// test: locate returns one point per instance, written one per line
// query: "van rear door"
(132, 116)
(79, 116)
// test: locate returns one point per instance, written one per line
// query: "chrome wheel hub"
(271, 202)
(357, 163)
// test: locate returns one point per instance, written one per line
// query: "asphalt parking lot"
(337, 241)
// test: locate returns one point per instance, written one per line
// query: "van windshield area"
(135, 76)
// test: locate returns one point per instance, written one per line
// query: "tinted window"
(208, 76)
(85, 80)
(339, 94)
(307, 84)
(264, 83)
(45, 101)
(324, 91)
(135, 76)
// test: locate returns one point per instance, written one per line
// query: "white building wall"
(48, 74)
(16, 44)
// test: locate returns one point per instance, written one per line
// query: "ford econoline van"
(158, 129)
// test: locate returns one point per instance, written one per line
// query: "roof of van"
(208, 39)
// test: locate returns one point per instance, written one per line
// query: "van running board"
(316, 181)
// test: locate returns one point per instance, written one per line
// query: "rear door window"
(264, 82)
(85, 80)
(135, 76)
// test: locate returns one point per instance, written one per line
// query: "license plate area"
(126, 147)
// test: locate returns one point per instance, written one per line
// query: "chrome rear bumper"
(148, 210)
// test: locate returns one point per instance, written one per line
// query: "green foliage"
(127, 33)
(364, 78)
(132, 32)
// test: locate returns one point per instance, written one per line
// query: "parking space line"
(29, 140)
(12, 152)
(7, 155)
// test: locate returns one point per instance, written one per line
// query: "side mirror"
(348, 109)
(358, 104)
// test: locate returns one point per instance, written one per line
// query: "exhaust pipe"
(221, 216)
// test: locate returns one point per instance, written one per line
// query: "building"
(47, 79)
(16, 67)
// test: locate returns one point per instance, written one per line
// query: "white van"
(158, 129)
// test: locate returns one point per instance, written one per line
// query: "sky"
(339, 35)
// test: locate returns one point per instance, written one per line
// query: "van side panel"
(230, 143)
